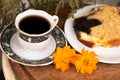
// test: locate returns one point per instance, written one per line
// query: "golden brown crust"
(85, 42)
(107, 33)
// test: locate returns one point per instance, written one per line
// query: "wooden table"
(15, 71)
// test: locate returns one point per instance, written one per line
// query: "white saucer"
(10, 30)
(39, 55)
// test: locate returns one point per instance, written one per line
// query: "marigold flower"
(63, 57)
(87, 62)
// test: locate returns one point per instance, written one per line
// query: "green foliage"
(10, 8)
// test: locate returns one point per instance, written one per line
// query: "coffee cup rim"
(20, 16)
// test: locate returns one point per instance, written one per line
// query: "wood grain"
(103, 72)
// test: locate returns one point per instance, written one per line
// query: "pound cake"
(99, 27)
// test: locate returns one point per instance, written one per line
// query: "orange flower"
(84, 62)
(87, 62)
(63, 57)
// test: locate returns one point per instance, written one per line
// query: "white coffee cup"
(37, 38)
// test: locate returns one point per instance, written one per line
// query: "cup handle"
(56, 19)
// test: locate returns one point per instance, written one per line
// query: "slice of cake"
(99, 27)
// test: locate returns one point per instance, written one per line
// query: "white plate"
(105, 55)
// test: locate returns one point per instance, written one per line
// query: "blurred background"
(10, 8)
(113, 2)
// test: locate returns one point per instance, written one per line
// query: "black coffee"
(34, 25)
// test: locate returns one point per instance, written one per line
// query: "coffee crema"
(34, 25)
